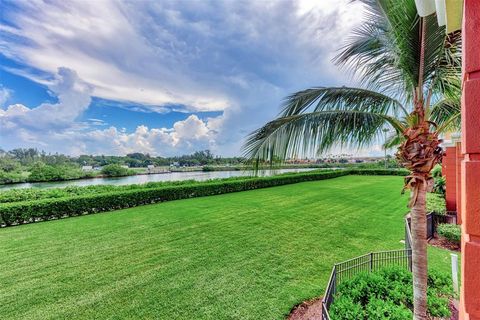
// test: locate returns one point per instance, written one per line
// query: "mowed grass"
(247, 255)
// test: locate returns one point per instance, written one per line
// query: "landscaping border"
(369, 262)
(375, 260)
(15, 213)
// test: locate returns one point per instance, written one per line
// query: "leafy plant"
(386, 310)
(346, 309)
(439, 186)
(439, 182)
(451, 232)
(436, 203)
(388, 294)
(437, 171)
(116, 170)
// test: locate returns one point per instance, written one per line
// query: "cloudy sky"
(163, 77)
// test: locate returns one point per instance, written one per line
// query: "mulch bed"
(444, 243)
(307, 310)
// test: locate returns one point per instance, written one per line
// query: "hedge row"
(54, 208)
(379, 172)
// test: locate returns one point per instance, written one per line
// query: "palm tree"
(409, 72)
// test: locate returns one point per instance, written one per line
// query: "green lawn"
(247, 255)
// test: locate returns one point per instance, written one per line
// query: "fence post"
(455, 271)
(371, 261)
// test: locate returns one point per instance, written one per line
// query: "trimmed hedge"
(451, 232)
(380, 172)
(54, 208)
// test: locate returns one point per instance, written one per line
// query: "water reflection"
(139, 179)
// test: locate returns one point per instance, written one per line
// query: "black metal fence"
(377, 260)
(367, 263)
(433, 219)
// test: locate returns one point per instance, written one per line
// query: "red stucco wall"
(449, 171)
(470, 167)
(459, 178)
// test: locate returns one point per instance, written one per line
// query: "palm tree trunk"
(419, 253)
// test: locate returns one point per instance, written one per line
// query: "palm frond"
(446, 79)
(383, 50)
(393, 140)
(446, 114)
(316, 132)
(341, 98)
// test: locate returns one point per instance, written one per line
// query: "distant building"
(125, 166)
(150, 166)
(87, 168)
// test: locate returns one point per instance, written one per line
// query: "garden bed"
(388, 294)
(447, 236)
(307, 310)
(444, 244)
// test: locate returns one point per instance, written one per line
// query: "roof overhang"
(449, 12)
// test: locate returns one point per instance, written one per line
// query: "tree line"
(31, 164)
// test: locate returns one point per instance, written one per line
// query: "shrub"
(11, 177)
(115, 170)
(436, 203)
(388, 294)
(346, 309)
(438, 306)
(451, 232)
(386, 310)
(439, 186)
(437, 171)
(44, 172)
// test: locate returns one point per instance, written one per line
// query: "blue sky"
(164, 77)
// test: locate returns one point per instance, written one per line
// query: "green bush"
(437, 171)
(388, 294)
(451, 232)
(11, 177)
(116, 170)
(386, 310)
(439, 186)
(43, 172)
(346, 309)
(436, 203)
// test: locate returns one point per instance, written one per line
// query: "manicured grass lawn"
(247, 255)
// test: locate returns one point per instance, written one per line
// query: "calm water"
(171, 176)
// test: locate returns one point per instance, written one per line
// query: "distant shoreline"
(172, 170)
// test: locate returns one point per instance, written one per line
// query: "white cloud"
(99, 42)
(5, 94)
(185, 136)
(55, 127)
(73, 99)
(239, 57)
